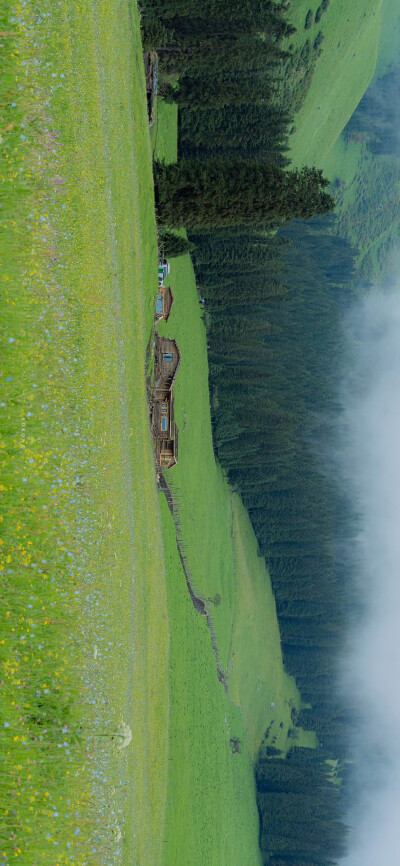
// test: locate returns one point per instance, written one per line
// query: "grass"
(199, 487)
(84, 637)
(366, 189)
(164, 139)
(341, 77)
(389, 37)
(365, 186)
(212, 815)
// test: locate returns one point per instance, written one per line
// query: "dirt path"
(198, 602)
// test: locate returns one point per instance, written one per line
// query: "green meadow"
(366, 186)
(85, 634)
(342, 74)
(389, 41)
(212, 816)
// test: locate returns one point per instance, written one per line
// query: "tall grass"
(59, 776)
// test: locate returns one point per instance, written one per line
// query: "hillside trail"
(198, 602)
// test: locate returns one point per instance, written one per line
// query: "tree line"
(301, 821)
(222, 63)
(274, 309)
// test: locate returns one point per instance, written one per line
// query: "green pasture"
(366, 186)
(342, 74)
(212, 817)
(197, 482)
(85, 634)
(163, 132)
(389, 37)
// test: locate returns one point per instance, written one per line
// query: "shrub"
(155, 35)
(319, 40)
(236, 745)
(173, 245)
(309, 19)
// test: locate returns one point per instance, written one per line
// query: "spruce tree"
(221, 193)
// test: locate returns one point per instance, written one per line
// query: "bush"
(169, 93)
(173, 245)
(319, 40)
(236, 745)
(318, 15)
(309, 19)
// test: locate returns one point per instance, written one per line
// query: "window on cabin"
(168, 357)
(164, 408)
(164, 424)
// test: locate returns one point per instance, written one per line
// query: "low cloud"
(369, 464)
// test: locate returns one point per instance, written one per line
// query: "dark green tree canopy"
(222, 193)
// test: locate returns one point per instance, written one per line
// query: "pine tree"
(222, 193)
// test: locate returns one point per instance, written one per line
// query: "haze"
(370, 463)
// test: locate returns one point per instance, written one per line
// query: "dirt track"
(199, 603)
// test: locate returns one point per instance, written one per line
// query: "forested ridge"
(274, 340)
(274, 298)
(375, 120)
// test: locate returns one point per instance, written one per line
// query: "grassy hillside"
(389, 37)
(366, 186)
(199, 487)
(342, 74)
(85, 626)
(212, 817)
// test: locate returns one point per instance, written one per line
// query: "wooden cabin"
(164, 302)
(165, 432)
(167, 363)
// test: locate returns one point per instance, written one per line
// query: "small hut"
(168, 359)
(164, 302)
(165, 431)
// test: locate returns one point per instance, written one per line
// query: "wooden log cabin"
(168, 359)
(164, 429)
(165, 432)
(164, 302)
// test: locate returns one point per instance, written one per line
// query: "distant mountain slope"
(389, 37)
(364, 164)
(343, 70)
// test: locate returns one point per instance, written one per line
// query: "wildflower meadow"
(84, 627)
